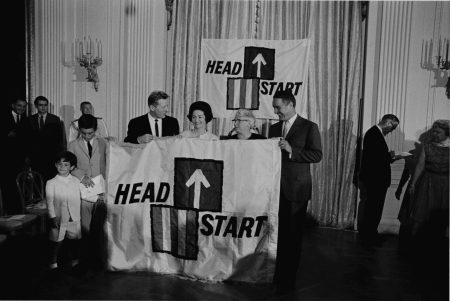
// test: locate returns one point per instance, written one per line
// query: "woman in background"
(200, 114)
(429, 188)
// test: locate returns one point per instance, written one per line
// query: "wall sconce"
(441, 65)
(89, 56)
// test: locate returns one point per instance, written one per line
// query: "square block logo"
(242, 93)
(259, 63)
(174, 231)
(198, 184)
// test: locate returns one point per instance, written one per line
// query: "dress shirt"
(87, 146)
(152, 119)
(288, 124)
(15, 116)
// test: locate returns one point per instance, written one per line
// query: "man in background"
(155, 123)
(300, 146)
(87, 108)
(48, 138)
(375, 178)
(15, 135)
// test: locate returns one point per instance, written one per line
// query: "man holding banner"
(300, 144)
(156, 123)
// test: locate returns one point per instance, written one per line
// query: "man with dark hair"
(300, 146)
(87, 108)
(90, 151)
(375, 177)
(15, 135)
(155, 123)
(48, 138)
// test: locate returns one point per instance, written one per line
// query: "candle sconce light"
(441, 66)
(88, 54)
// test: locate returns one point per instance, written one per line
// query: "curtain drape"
(333, 102)
(333, 84)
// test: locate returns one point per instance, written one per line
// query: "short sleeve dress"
(432, 189)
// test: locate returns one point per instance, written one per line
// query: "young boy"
(91, 156)
(63, 203)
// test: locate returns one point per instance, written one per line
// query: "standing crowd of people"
(39, 142)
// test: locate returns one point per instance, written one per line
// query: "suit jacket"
(140, 126)
(52, 139)
(16, 145)
(89, 166)
(304, 138)
(63, 199)
(376, 160)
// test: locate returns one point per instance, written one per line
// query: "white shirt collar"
(65, 179)
(151, 120)
(291, 120)
(380, 129)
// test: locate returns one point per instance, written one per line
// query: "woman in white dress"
(200, 114)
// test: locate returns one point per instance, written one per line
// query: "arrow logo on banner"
(258, 60)
(197, 179)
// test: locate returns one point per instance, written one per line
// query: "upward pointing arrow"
(197, 179)
(258, 60)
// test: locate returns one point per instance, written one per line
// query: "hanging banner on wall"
(195, 208)
(246, 73)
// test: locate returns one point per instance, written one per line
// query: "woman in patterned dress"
(430, 184)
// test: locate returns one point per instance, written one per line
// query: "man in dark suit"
(155, 123)
(375, 177)
(15, 134)
(300, 146)
(48, 138)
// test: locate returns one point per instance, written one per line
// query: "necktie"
(89, 149)
(156, 128)
(285, 129)
(41, 122)
(18, 119)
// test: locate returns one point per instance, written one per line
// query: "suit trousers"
(291, 218)
(94, 241)
(370, 208)
(87, 209)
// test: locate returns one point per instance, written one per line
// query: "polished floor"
(335, 266)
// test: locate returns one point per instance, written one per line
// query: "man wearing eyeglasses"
(375, 178)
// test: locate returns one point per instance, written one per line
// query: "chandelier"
(89, 55)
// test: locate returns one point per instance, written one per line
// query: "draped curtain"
(335, 29)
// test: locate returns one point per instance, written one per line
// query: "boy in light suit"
(63, 203)
(91, 155)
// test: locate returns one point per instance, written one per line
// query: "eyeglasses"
(240, 120)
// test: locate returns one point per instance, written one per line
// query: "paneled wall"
(399, 81)
(133, 34)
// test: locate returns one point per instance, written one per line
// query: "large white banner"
(200, 209)
(246, 73)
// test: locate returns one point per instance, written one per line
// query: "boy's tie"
(89, 149)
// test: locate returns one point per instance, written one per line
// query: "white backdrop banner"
(200, 209)
(246, 73)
